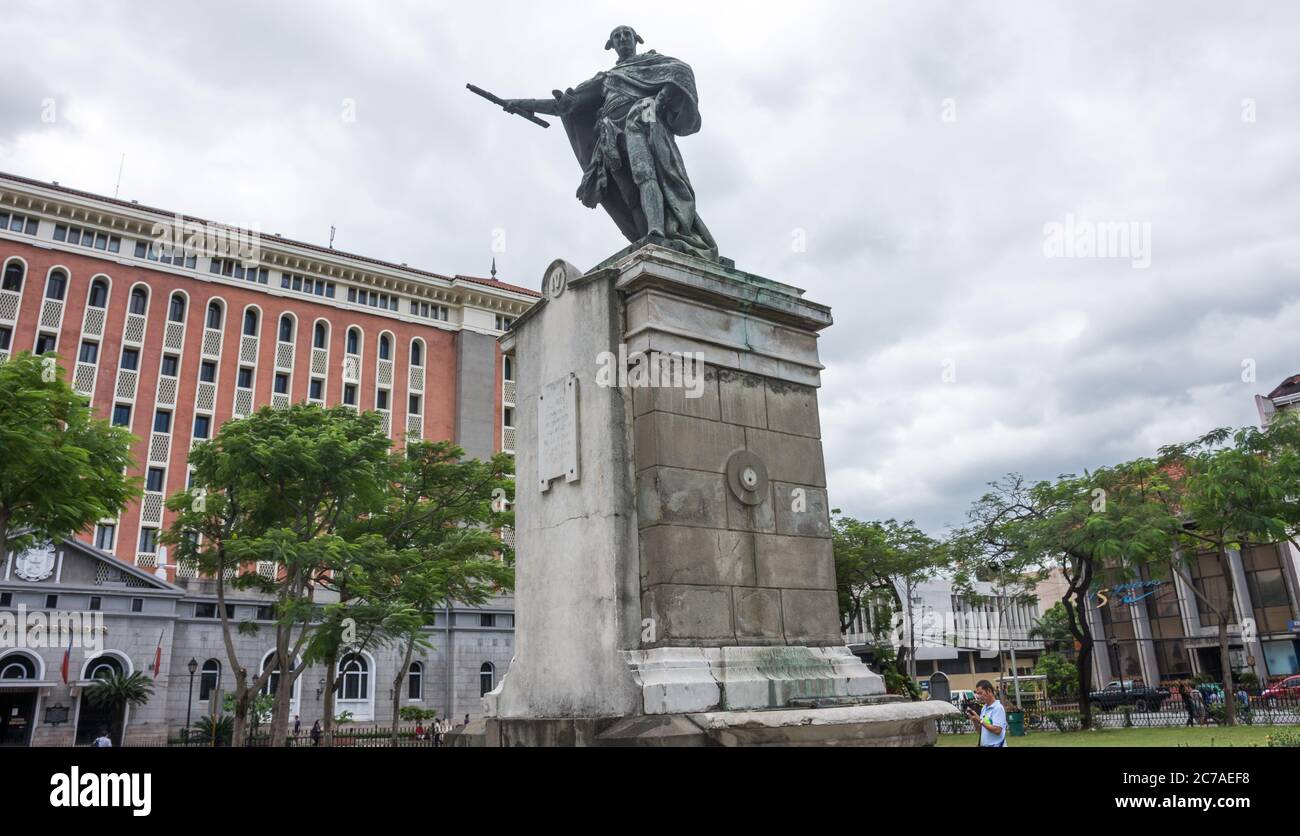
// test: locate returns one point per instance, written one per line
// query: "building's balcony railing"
(134, 330)
(167, 388)
(212, 342)
(92, 323)
(9, 300)
(174, 336)
(151, 508)
(83, 379)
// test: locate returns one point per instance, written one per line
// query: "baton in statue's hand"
(508, 108)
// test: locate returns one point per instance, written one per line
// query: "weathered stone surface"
(811, 616)
(655, 731)
(686, 614)
(743, 398)
(742, 517)
(886, 724)
(675, 680)
(702, 556)
(758, 615)
(789, 458)
(578, 600)
(792, 408)
(748, 675)
(672, 496)
(663, 438)
(794, 562)
(814, 520)
(678, 399)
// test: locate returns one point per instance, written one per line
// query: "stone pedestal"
(675, 577)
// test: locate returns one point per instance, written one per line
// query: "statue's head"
(623, 40)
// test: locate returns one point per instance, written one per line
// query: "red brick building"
(172, 341)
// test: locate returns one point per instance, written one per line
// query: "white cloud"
(925, 236)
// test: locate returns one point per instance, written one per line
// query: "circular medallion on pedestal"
(747, 477)
(556, 278)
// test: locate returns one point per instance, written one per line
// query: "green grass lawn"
(1178, 736)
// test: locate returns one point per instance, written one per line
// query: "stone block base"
(681, 680)
(882, 721)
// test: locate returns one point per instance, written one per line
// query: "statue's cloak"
(606, 181)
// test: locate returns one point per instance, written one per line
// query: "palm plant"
(115, 692)
(206, 729)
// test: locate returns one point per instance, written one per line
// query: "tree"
(210, 732)
(275, 488)
(1061, 674)
(886, 560)
(1228, 491)
(115, 692)
(1082, 524)
(61, 469)
(440, 524)
(1053, 627)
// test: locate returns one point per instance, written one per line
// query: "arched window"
(176, 310)
(209, 679)
(56, 285)
(98, 294)
(384, 347)
(486, 675)
(13, 280)
(250, 323)
(286, 329)
(415, 681)
(320, 336)
(214, 315)
(139, 301)
(354, 340)
(273, 681)
(102, 667)
(508, 370)
(417, 355)
(354, 678)
(17, 666)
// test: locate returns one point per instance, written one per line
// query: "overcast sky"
(900, 161)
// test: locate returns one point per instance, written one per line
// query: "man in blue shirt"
(991, 721)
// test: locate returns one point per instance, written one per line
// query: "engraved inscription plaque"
(557, 431)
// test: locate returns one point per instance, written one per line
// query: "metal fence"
(407, 737)
(1142, 709)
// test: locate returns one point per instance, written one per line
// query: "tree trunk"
(331, 680)
(239, 725)
(1229, 698)
(283, 690)
(1076, 613)
(1225, 659)
(397, 687)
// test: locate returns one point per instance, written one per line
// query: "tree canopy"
(61, 469)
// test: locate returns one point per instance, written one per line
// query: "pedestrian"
(315, 733)
(1185, 691)
(103, 741)
(297, 725)
(419, 730)
(467, 719)
(991, 721)
(1198, 704)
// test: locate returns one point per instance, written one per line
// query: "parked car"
(1286, 689)
(1126, 692)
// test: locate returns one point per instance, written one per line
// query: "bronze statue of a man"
(623, 125)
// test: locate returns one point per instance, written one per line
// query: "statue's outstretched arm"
(562, 101)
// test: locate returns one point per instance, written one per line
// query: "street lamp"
(193, 666)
